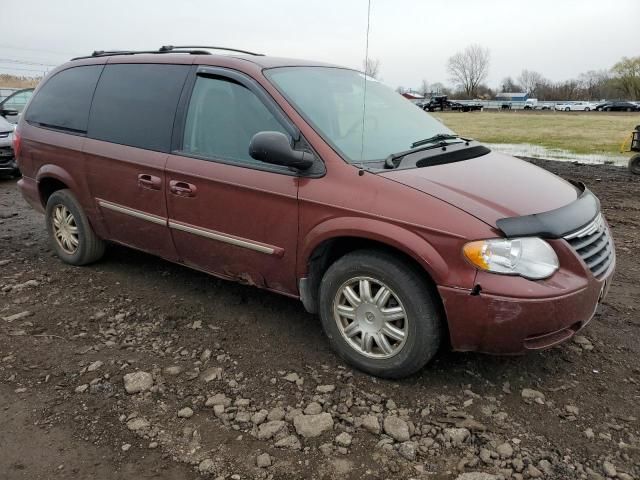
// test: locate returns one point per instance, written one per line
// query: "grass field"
(577, 132)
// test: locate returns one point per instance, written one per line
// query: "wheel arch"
(52, 178)
(330, 241)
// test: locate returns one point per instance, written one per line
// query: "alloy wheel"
(65, 229)
(371, 317)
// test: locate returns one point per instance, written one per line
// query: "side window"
(222, 118)
(17, 101)
(64, 100)
(135, 104)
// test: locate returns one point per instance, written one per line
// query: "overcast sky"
(411, 38)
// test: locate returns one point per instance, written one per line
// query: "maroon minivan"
(319, 183)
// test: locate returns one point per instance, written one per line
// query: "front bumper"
(8, 163)
(543, 314)
(8, 166)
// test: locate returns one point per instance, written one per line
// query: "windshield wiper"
(421, 145)
(439, 137)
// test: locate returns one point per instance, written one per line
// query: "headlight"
(529, 257)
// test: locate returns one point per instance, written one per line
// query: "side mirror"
(8, 111)
(275, 148)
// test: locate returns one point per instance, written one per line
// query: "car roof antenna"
(364, 99)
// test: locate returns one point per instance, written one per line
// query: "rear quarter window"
(135, 104)
(63, 102)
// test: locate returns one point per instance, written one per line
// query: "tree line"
(469, 69)
(13, 81)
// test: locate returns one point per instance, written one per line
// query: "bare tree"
(530, 81)
(424, 88)
(469, 68)
(508, 85)
(596, 84)
(371, 67)
(439, 89)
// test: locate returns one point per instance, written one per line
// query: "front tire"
(70, 233)
(380, 314)
(634, 164)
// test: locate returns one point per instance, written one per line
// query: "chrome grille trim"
(590, 228)
(594, 245)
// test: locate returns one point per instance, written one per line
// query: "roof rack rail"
(191, 50)
(171, 48)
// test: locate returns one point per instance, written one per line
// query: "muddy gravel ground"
(136, 368)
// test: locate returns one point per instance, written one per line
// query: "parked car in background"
(575, 106)
(16, 103)
(534, 104)
(398, 232)
(7, 159)
(617, 106)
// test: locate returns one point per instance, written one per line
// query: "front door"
(230, 214)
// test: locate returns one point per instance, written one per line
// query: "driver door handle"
(182, 189)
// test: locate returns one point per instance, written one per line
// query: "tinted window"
(222, 118)
(64, 100)
(135, 104)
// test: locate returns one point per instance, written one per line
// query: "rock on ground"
(137, 382)
(136, 424)
(291, 442)
(530, 394)
(344, 439)
(371, 424)
(477, 476)
(207, 466)
(263, 460)
(396, 428)
(310, 426)
(505, 450)
(185, 412)
(269, 429)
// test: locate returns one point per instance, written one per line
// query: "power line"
(25, 62)
(56, 52)
(41, 70)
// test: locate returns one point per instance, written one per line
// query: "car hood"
(490, 187)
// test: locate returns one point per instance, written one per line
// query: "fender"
(58, 173)
(393, 235)
(80, 190)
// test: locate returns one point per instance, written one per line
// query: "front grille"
(6, 152)
(594, 245)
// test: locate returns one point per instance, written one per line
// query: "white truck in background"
(533, 104)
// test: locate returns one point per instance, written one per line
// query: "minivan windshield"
(331, 100)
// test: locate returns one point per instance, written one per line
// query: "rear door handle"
(149, 181)
(182, 189)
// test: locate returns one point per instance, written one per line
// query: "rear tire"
(368, 338)
(587, 109)
(634, 164)
(70, 232)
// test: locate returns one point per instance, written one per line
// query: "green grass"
(577, 132)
